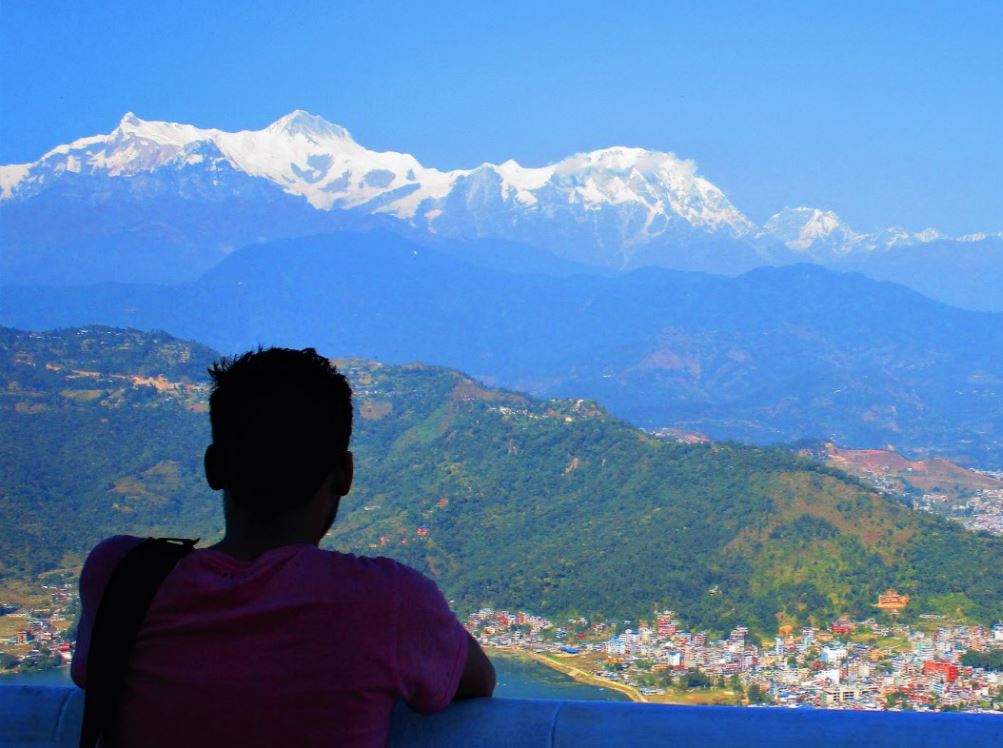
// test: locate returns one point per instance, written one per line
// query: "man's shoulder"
(376, 566)
(116, 544)
(106, 556)
(400, 576)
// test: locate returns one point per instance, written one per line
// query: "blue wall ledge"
(35, 716)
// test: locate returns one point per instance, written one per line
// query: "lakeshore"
(930, 665)
(563, 664)
(567, 669)
(56, 676)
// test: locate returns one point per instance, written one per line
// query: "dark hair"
(281, 422)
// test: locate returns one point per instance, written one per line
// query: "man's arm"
(478, 678)
(438, 661)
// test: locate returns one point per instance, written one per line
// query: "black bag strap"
(123, 607)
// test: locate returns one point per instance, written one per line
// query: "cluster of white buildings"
(862, 665)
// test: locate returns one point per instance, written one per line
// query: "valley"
(674, 333)
(506, 500)
(517, 503)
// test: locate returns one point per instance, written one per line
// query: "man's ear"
(347, 474)
(215, 475)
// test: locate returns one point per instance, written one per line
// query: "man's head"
(281, 423)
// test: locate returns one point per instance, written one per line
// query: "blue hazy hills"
(773, 355)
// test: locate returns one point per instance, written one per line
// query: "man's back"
(298, 646)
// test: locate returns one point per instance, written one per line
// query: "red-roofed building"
(947, 669)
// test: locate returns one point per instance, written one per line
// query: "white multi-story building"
(833, 655)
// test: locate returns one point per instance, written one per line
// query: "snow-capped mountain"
(164, 202)
(803, 229)
(301, 153)
(617, 197)
(822, 233)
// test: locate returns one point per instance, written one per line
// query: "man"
(264, 639)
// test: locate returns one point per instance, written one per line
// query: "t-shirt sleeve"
(431, 643)
(94, 578)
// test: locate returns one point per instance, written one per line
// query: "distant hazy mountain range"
(163, 202)
(774, 355)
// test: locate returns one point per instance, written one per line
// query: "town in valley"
(933, 665)
(875, 664)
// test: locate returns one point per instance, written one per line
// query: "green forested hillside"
(551, 506)
(89, 446)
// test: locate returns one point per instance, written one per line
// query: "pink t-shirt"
(298, 647)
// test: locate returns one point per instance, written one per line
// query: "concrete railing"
(35, 716)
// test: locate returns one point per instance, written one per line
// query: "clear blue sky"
(887, 112)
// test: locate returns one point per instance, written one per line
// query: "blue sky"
(888, 113)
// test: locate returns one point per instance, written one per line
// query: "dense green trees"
(990, 659)
(552, 507)
(694, 678)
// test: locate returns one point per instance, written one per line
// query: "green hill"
(550, 506)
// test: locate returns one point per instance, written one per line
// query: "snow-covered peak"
(523, 177)
(300, 122)
(162, 133)
(667, 188)
(616, 158)
(980, 236)
(803, 228)
(822, 232)
(300, 152)
(929, 234)
(134, 146)
(635, 193)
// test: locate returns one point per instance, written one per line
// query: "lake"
(517, 679)
(524, 679)
(57, 677)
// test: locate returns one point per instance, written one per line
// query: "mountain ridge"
(145, 145)
(774, 355)
(137, 145)
(509, 501)
(164, 202)
(320, 161)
